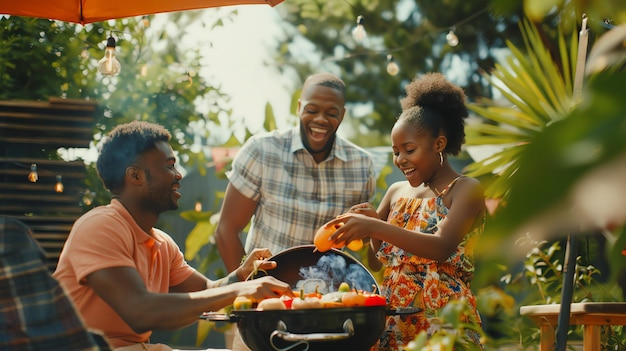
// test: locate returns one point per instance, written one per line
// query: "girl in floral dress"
(430, 221)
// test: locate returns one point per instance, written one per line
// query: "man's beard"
(160, 201)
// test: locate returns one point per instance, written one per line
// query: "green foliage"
(270, 118)
(157, 83)
(198, 237)
(617, 254)
(539, 281)
(412, 31)
(448, 331)
(549, 144)
(557, 152)
(540, 92)
(560, 10)
(41, 58)
(200, 249)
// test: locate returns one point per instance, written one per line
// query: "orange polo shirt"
(108, 236)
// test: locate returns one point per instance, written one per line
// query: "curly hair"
(121, 148)
(434, 104)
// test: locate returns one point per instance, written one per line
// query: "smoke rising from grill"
(332, 269)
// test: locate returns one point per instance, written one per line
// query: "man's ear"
(133, 174)
(440, 143)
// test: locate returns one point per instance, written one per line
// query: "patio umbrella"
(88, 11)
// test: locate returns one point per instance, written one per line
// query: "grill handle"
(303, 339)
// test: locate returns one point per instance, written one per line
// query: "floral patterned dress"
(412, 281)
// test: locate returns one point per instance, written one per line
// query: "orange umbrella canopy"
(88, 11)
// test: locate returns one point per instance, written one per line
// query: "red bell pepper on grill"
(375, 300)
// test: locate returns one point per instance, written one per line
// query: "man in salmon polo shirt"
(128, 278)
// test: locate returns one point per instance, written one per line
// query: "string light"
(198, 206)
(190, 76)
(58, 187)
(85, 52)
(35, 171)
(392, 66)
(452, 39)
(88, 197)
(358, 33)
(33, 176)
(109, 65)
(146, 21)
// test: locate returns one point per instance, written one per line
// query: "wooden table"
(591, 315)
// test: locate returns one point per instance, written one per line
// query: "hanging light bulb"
(146, 21)
(198, 206)
(88, 197)
(452, 39)
(85, 52)
(392, 66)
(109, 65)
(33, 176)
(58, 187)
(358, 33)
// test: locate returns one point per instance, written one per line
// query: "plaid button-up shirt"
(36, 313)
(296, 195)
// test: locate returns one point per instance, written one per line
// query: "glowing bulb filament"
(109, 65)
(58, 187)
(110, 55)
(33, 176)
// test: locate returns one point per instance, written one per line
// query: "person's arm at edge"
(236, 212)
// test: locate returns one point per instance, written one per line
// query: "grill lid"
(306, 269)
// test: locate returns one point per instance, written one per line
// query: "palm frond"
(507, 116)
(539, 90)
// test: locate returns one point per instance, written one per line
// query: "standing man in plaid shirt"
(291, 182)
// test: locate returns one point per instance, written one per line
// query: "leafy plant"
(200, 247)
(557, 153)
(448, 331)
(537, 90)
(540, 281)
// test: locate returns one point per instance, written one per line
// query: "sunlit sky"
(234, 56)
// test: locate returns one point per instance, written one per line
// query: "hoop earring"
(440, 158)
